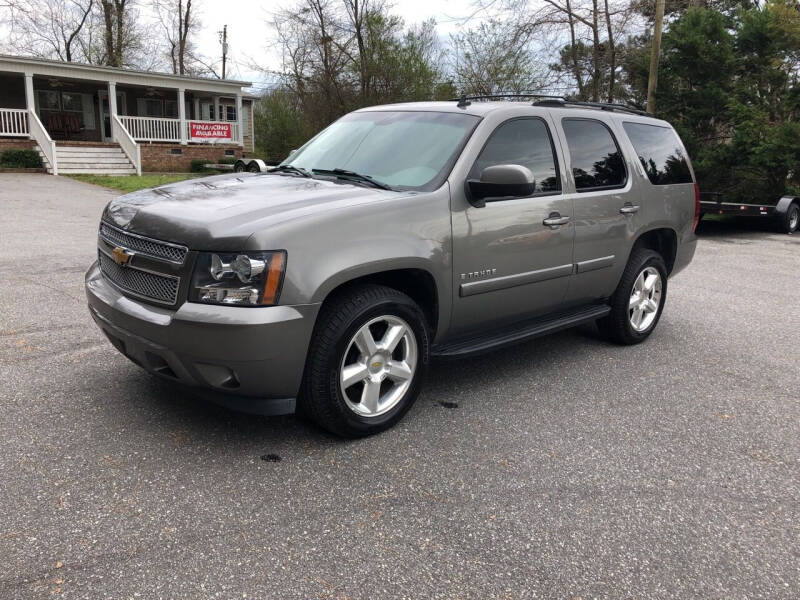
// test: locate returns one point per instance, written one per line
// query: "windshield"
(410, 150)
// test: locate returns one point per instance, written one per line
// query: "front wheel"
(638, 301)
(366, 361)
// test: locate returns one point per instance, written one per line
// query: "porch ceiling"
(97, 74)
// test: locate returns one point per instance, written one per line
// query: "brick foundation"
(16, 144)
(159, 157)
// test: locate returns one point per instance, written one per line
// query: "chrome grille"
(160, 288)
(142, 245)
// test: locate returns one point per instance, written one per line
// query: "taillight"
(696, 207)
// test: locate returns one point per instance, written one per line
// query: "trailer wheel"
(239, 166)
(791, 219)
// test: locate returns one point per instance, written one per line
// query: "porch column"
(197, 115)
(30, 103)
(240, 119)
(182, 113)
(112, 98)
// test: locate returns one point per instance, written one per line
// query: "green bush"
(198, 166)
(21, 159)
(227, 160)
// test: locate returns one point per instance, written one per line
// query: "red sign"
(205, 130)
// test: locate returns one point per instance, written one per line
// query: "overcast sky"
(251, 37)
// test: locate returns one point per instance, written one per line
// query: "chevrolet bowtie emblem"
(120, 256)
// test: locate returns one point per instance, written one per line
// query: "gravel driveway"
(564, 468)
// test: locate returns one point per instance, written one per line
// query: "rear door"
(507, 263)
(606, 205)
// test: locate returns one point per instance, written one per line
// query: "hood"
(222, 212)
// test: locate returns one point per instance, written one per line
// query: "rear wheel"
(366, 361)
(253, 167)
(639, 299)
(791, 220)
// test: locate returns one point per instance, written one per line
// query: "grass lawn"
(131, 183)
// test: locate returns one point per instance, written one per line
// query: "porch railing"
(13, 122)
(158, 129)
(152, 129)
(46, 143)
(129, 146)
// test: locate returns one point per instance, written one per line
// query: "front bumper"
(251, 359)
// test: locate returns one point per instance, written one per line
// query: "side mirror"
(500, 181)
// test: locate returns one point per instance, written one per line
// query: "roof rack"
(467, 100)
(610, 106)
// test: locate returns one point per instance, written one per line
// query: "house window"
(150, 107)
(171, 109)
(230, 113)
(55, 105)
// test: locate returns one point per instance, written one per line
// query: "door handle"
(555, 219)
(629, 209)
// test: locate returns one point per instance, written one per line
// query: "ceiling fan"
(151, 91)
(58, 83)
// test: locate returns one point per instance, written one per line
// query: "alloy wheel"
(645, 299)
(378, 366)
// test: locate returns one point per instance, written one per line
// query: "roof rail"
(467, 99)
(610, 106)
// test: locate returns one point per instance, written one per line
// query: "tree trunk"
(652, 82)
(595, 54)
(612, 56)
(574, 53)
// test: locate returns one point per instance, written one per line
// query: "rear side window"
(596, 159)
(523, 142)
(661, 153)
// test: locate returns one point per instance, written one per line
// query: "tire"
(239, 167)
(253, 167)
(350, 409)
(791, 219)
(620, 326)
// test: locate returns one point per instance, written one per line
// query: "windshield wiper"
(344, 174)
(290, 169)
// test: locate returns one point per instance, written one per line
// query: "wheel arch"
(411, 278)
(663, 240)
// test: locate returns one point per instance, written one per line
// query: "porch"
(76, 105)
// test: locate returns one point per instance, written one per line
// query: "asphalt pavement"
(562, 468)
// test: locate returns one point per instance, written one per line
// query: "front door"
(507, 263)
(105, 113)
(606, 207)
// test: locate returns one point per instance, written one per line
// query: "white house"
(93, 119)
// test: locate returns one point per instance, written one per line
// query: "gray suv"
(398, 234)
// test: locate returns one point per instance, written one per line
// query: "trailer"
(785, 212)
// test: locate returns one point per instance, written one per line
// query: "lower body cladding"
(247, 358)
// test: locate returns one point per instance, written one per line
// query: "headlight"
(239, 278)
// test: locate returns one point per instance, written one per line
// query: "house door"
(105, 113)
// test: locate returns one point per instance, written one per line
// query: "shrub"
(227, 160)
(21, 159)
(199, 166)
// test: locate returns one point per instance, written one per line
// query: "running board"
(517, 332)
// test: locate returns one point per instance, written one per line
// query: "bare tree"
(180, 23)
(48, 29)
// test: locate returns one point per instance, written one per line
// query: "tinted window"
(523, 142)
(661, 153)
(596, 159)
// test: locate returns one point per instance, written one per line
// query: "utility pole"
(654, 56)
(224, 39)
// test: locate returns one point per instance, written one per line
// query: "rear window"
(661, 153)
